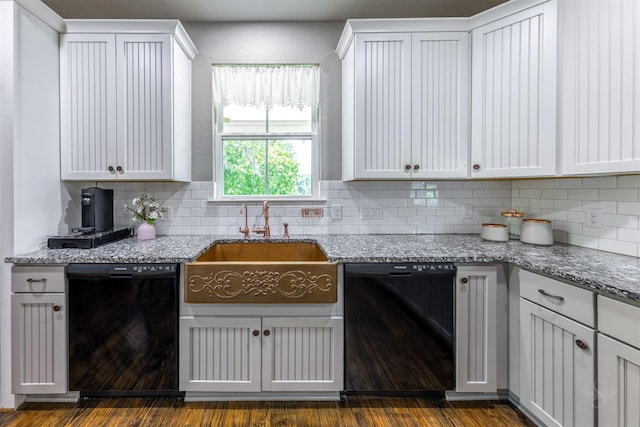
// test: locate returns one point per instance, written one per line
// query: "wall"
(416, 207)
(271, 42)
(30, 190)
(405, 208)
(564, 201)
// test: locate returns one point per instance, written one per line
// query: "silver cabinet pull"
(543, 292)
(30, 280)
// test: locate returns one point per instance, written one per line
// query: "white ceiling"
(266, 10)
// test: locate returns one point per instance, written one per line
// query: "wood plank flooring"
(352, 411)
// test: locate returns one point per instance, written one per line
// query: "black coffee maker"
(97, 223)
(97, 210)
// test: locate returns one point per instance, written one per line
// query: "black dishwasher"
(123, 329)
(399, 329)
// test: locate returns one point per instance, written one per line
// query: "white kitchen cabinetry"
(513, 110)
(618, 363)
(557, 351)
(253, 354)
(600, 86)
(39, 330)
(125, 101)
(476, 329)
(405, 101)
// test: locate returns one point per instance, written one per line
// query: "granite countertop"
(603, 271)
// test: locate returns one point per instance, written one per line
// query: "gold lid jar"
(513, 221)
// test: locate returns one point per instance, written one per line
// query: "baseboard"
(70, 397)
(263, 396)
(462, 396)
(515, 401)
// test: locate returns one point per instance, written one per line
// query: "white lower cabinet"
(476, 329)
(618, 383)
(39, 330)
(253, 354)
(557, 357)
(618, 363)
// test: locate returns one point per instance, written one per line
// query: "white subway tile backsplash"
(621, 221)
(567, 183)
(556, 194)
(619, 195)
(600, 182)
(582, 194)
(628, 208)
(410, 207)
(629, 181)
(531, 193)
(542, 203)
(618, 246)
(567, 205)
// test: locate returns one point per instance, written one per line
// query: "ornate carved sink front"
(261, 272)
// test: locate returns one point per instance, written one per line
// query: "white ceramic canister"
(494, 232)
(536, 232)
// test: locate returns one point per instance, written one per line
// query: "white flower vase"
(146, 231)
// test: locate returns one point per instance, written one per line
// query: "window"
(265, 130)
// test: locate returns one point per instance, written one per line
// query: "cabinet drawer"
(568, 300)
(619, 320)
(48, 278)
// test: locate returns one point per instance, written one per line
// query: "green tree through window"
(246, 171)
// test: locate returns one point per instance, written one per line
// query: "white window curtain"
(266, 85)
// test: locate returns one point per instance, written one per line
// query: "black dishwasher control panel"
(105, 270)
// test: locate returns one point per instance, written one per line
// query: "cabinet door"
(618, 383)
(302, 354)
(513, 115)
(88, 106)
(383, 105)
(39, 343)
(556, 367)
(476, 329)
(600, 86)
(145, 89)
(220, 354)
(440, 105)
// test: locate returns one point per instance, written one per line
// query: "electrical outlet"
(168, 215)
(371, 213)
(336, 212)
(593, 217)
(468, 212)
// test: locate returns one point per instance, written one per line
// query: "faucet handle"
(286, 230)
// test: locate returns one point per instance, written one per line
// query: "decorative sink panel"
(261, 272)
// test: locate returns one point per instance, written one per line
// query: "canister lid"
(538, 221)
(488, 224)
(511, 212)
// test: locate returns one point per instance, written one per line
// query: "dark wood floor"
(387, 348)
(352, 411)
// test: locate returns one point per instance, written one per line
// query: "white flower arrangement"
(146, 208)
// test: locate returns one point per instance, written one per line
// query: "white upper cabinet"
(405, 101)
(126, 101)
(513, 114)
(600, 86)
(439, 105)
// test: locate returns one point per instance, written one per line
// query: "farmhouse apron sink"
(261, 272)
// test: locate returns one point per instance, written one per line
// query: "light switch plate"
(336, 212)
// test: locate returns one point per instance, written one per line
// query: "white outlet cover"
(593, 217)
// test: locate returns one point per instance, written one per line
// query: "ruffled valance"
(266, 85)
